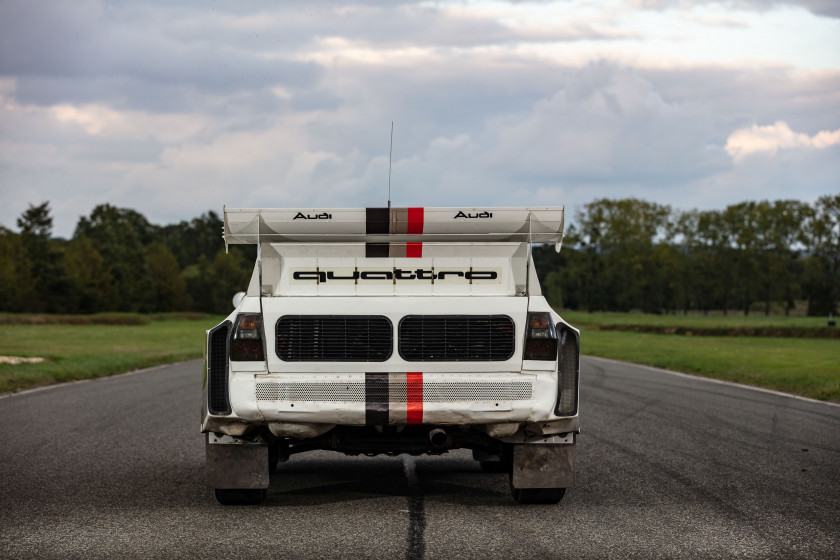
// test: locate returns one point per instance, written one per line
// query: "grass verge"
(736, 324)
(85, 350)
(807, 367)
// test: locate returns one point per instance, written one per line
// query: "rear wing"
(417, 224)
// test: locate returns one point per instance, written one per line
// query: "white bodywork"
(393, 263)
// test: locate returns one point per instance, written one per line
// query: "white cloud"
(772, 138)
(92, 119)
(171, 109)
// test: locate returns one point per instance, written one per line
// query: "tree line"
(619, 255)
(629, 254)
(118, 261)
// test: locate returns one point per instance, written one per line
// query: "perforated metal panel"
(478, 391)
(325, 392)
(432, 392)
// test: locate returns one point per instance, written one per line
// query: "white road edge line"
(712, 380)
(78, 381)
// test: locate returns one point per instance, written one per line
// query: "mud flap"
(237, 465)
(543, 465)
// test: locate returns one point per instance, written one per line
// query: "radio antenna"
(390, 153)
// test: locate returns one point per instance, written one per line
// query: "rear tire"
(494, 466)
(273, 457)
(495, 463)
(241, 497)
(278, 452)
(537, 495)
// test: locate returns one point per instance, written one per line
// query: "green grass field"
(805, 366)
(84, 351)
(698, 321)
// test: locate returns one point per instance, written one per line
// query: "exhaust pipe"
(438, 438)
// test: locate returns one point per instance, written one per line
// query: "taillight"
(246, 344)
(540, 338)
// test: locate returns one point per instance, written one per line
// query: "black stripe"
(376, 250)
(376, 399)
(378, 221)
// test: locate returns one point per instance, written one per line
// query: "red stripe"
(414, 397)
(415, 220)
(414, 249)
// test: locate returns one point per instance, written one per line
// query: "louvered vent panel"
(334, 338)
(456, 338)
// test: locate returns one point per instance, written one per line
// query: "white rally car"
(392, 330)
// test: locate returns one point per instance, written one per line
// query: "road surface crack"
(416, 544)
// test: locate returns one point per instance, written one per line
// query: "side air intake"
(218, 401)
(568, 368)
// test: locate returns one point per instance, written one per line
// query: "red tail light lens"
(540, 338)
(246, 344)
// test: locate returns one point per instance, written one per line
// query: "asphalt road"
(668, 466)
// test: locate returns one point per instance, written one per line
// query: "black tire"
(505, 462)
(278, 452)
(273, 457)
(537, 495)
(494, 466)
(240, 497)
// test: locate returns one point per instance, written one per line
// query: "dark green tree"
(619, 236)
(741, 225)
(16, 287)
(168, 288)
(91, 286)
(189, 240)
(231, 274)
(48, 277)
(822, 267)
(783, 243)
(120, 235)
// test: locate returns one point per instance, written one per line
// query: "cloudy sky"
(173, 108)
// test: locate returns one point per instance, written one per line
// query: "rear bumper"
(498, 403)
(401, 398)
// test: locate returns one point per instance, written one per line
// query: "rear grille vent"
(457, 338)
(334, 338)
(218, 402)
